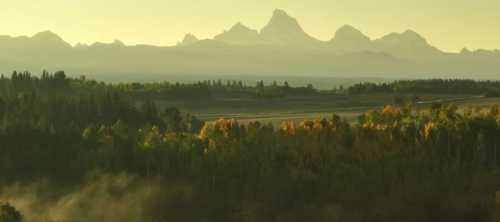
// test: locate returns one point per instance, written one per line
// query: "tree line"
(393, 164)
(59, 82)
(438, 86)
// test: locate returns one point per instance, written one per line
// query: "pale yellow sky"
(447, 24)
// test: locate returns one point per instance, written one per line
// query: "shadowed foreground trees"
(395, 164)
(9, 214)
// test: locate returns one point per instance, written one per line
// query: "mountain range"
(281, 47)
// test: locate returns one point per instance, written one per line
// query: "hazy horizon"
(449, 25)
(249, 110)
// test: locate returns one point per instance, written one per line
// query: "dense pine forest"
(463, 86)
(62, 136)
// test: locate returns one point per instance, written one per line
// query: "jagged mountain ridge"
(283, 29)
(349, 39)
(239, 34)
(282, 47)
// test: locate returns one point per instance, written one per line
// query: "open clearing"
(276, 111)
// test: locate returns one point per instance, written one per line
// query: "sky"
(448, 24)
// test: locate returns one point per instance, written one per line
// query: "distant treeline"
(58, 82)
(393, 165)
(438, 86)
(211, 89)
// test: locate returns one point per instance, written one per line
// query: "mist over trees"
(76, 149)
(97, 152)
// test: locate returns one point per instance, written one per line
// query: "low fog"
(102, 198)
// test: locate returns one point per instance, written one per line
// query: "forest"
(463, 86)
(68, 139)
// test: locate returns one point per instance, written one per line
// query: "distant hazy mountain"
(281, 30)
(189, 39)
(282, 47)
(285, 30)
(239, 35)
(408, 44)
(349, 39)
(41, 41)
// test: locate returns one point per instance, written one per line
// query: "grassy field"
(300, 108)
